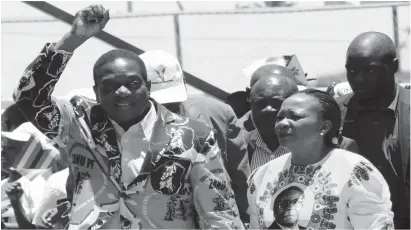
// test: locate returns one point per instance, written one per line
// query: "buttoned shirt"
(132, 144)
(262, 154)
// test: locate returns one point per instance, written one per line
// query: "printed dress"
(342, 191)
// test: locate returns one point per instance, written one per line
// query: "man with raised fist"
(134, 163)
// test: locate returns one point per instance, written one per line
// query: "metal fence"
(236, 49)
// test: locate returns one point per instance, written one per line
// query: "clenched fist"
(90, 21)
(14, 191)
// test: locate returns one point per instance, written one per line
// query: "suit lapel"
(158, 142)
(159, 138)
(349, 116)
(104, 136)
(103, 132)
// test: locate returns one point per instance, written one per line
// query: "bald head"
(274, 84)
(371, 64)
(373, 45)
(270, 70)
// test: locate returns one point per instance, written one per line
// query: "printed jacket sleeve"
(33, 93)
(213, 197)
(369, 204)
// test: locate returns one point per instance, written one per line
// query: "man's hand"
(90, 21)
(49, 217)
(57, 217)
(14, 191)
(87, 23)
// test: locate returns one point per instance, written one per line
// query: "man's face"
(121, 89)
(367, 75)
(287, 210)
(265, 104)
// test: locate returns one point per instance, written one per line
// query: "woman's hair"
(330, 111)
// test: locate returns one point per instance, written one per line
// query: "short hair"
(113, 55)
(330, 111)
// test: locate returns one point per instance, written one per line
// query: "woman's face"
(299, 122)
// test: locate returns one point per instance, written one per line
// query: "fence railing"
(176, 15)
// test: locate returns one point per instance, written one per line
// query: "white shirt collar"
(295, 227)
(147, 123)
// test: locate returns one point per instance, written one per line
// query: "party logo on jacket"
(168, 177)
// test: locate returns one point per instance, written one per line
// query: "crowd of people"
(140, 153)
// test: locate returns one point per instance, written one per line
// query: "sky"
(214, 47)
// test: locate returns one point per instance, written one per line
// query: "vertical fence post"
(129, 7)
(396, 37)
(177, 38)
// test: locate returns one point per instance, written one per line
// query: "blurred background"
(213, 40)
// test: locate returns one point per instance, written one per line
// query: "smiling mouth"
(123, 104)
(283, 135)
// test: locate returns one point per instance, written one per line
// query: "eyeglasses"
(290, 203)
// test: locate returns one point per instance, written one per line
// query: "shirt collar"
(146, 124)
(392, 106)
(295, 227)
(256, 137)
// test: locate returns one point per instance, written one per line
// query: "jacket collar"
(350, 101)
(104, 133)
(146, 124)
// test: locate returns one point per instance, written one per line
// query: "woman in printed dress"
(316, 185)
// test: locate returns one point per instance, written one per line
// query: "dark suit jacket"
(398, 147)
(276, 226)
(402, 127)
(222, 118)
(400, 143)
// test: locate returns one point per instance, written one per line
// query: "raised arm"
(33, 93)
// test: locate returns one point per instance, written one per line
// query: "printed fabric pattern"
(184, 171)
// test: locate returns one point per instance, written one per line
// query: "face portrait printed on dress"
(291, 207)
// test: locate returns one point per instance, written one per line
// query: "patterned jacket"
(182, 183)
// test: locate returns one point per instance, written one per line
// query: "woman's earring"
(335, 140)
(322, 134)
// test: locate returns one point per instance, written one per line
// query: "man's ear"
(96, 93)
(394, 66)
(148, 85)
(248, 91)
